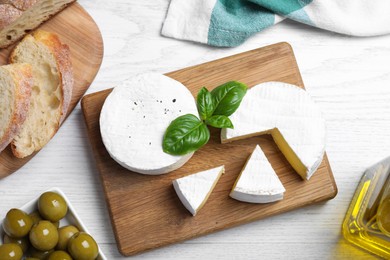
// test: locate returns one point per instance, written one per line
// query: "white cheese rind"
(258, 182)
(193, 190)
(134, 118)
(277, 106)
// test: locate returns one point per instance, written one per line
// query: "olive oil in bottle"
(367, 222)
(383, 215)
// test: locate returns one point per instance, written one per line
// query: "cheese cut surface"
(289, 114)
(258, 182)
(194, 190)
(134, 118)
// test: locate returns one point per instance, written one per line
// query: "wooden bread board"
(145, 210)
(77, 29)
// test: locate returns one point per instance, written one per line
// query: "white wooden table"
(349, 78)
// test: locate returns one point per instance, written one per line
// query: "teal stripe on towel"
(233, 21)
(291, 8)
(283, 7)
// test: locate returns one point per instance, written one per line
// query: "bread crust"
(8, 14)
(11, 10)
(22, 76)
(61, 53)
(22, 5)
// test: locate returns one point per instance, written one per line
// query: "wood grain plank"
(77, 29)
(145, 211)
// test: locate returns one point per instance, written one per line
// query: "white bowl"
(71, 217)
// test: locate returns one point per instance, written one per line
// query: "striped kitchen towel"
(230, 22)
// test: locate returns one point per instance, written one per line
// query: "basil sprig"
(188, 133)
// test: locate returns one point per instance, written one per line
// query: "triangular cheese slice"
(194, 190)
(258, 182)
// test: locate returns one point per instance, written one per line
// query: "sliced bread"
(17, 17)
(51, 93)
(15, 92)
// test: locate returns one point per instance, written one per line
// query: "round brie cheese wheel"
(135, 117)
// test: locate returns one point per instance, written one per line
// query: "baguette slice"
(15, 92)
(20, 16)
(51, 93)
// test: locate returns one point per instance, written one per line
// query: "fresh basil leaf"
(219, 121)
(205, 103)
(185, 134)
(227, 97)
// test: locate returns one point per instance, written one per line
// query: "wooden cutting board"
(77, 29)
(145, 211)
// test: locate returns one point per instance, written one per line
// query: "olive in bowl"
(83, 247)
(52, 206)
(59, 255)
(44, 235)
(64, 234)
(10, 252)
(17, 223)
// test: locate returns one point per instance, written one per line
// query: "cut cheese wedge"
(194, 190)
(135, 117)
(258, 182)
(289, 114)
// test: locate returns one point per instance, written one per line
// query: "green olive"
(52, 206)
(35, 217)
(32, 258)
(22, 242)
(64, 234)
(10, 252)
(17, 223)
(82, 246)
(59, 255)
(44, 235)
(37, 254)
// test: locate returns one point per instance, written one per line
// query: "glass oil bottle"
(367, 222)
